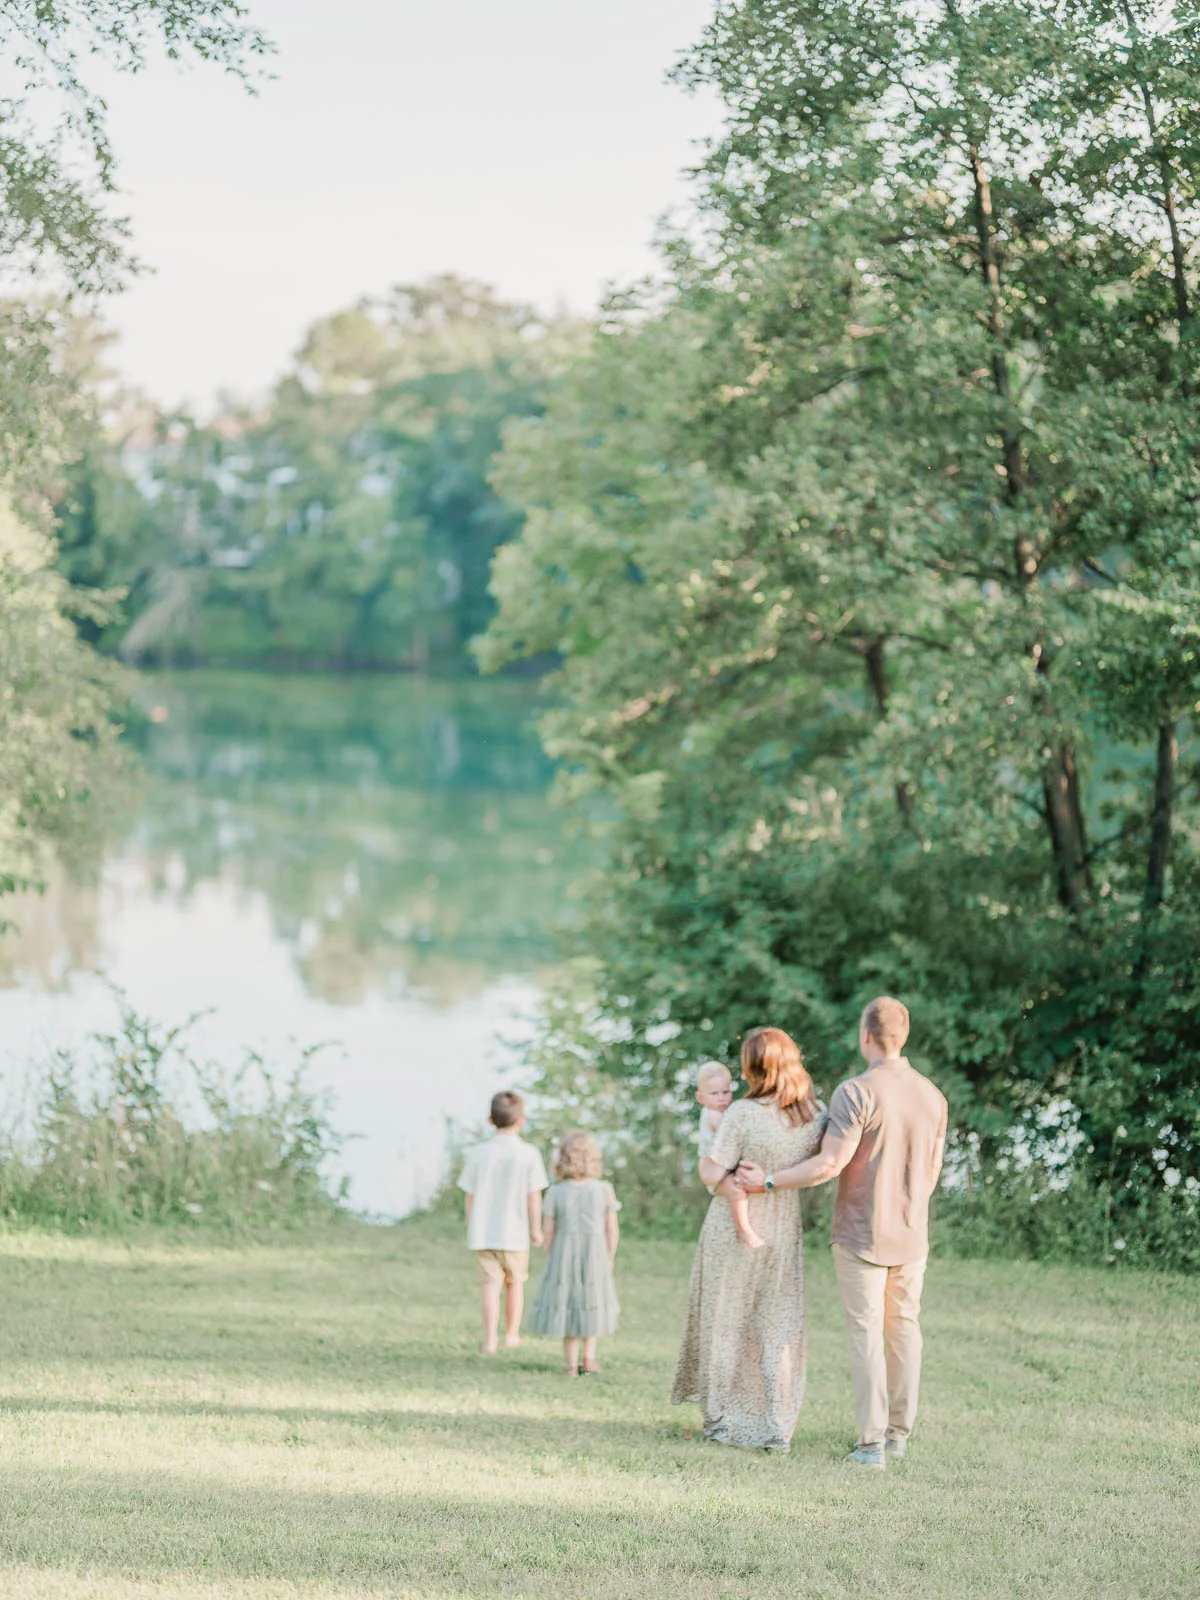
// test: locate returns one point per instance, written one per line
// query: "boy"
(503, 1179)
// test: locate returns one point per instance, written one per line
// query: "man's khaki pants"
(882, 1305)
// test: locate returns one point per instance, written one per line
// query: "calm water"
(370, 861)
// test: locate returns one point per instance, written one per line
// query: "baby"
(714, 1091)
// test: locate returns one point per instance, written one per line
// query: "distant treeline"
(349, 522)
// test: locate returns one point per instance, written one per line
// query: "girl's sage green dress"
(577, 1298)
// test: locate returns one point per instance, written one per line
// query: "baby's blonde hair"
(708, 1070)
(578, 1156)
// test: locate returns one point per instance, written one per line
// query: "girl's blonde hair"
(578, 1156)
(774, 1070)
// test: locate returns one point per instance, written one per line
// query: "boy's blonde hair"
(886, 1021)
(578, 1156)
(708, 1070)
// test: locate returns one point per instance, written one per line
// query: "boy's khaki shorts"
(502, 1266)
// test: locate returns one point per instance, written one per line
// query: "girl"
(577, 1299)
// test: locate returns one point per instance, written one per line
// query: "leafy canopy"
(869, 546)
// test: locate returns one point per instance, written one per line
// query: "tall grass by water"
(138, 1131)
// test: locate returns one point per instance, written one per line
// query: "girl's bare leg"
(589, 1356)
(739, 1206)
(571, 1357)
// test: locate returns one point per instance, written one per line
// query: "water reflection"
(371, 859)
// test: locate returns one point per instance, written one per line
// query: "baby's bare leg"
(739, 1206)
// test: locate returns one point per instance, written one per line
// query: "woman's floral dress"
(743, 1353)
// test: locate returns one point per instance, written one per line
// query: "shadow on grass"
(150, 1528)
(526, 1431)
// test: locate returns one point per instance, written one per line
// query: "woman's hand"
(750, 1177)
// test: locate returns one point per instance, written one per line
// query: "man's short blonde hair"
(886, 1021)
(709, 1071)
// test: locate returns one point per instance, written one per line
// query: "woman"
(743, 1354)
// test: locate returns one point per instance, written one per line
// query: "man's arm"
(939, 1153)
(469, 1199)
(834, 1154)
(534, 1201)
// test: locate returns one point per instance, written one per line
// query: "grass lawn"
(192, 1420)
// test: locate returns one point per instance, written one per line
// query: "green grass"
(187, 1420)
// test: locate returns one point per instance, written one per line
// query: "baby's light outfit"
(577, 1297)
(706, 1132)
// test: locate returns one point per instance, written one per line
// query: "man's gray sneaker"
(896, 1448)
(868, 1456)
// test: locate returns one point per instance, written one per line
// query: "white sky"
(530, 143)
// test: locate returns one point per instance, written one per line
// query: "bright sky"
(530, 143)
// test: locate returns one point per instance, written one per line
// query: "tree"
(58, 701)
(351, 521)
(53, 187)
(870, 551)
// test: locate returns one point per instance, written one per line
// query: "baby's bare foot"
(751, 1240)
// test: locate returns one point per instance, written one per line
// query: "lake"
(370, 861)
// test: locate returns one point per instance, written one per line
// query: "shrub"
(116, 1148)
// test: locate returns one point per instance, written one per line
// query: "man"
(885, 1142)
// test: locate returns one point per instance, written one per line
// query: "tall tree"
(351, 521)
(59, 245)
(871, 556)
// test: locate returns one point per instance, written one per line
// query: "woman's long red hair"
(774, 1070)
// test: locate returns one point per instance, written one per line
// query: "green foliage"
(117, 1149)
(58, 735)
(56, 163)
(869, 545)
(58, 702)
(352, 522)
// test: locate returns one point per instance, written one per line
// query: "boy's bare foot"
(751, 1240)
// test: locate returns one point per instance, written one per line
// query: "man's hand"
(750, 1177)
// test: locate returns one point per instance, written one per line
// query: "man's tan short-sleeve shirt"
(882, 1208)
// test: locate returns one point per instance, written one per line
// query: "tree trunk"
(1060, 778)
(1161, 818)
(877, 677)
(1162, 815)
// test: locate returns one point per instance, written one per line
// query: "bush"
(1042, 1214)
(120, 1151)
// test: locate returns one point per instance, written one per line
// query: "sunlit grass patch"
(311, 1419)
